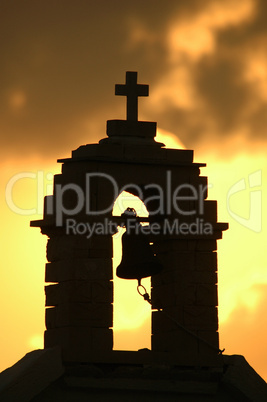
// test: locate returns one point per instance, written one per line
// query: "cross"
(132, 91)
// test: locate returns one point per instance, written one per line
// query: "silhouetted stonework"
(79, 303)
(78, 363)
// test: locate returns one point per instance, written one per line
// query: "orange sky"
(206, 64)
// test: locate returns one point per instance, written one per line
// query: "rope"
(148, 299)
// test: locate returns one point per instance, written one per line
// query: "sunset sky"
(206, 64)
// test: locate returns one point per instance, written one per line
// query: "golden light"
(242, 260)
(130, 310)
(17, 100)
(241, 257)
(132, 315)
(23, 187)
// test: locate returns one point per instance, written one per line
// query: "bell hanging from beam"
(138, 259)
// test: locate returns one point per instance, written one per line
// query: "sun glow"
(241, 257)
(131, 312)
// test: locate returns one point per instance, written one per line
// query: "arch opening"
(131, 314)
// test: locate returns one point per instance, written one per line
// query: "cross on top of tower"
(132, 91)
(131, 129)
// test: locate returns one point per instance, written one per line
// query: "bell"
(138, 260)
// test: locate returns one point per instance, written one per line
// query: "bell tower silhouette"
(78, 362)
(184, 232)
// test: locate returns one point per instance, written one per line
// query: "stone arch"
(80, 320)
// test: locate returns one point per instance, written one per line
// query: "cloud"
(194, 35)
(206, 90)
(245, 330)
(255, 72)
(205, 63)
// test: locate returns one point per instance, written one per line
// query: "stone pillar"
(186, 290)
(79, 310)
(79, 290)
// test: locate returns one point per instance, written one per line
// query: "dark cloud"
(228, 101)
(65, 58)
(60, 61)
(224, 95)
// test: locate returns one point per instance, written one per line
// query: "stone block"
(201, 245)
(210, 211)
(74, 175)
(206, 261)
(204, 277)
(131, 128)
(52, 295)
(212, 337)
(178, 341)
(105, 253)
(191, 245)
(166, 246)
(102, 292)
(183, 277)
(133, 174)
(79, 292)
(166, 320)
(201, 184)
(79, 269)
(206, 245)
(184, 210)
(181, 268)
(96, 150)
(144, 152)
(80, 167)
(163, 296)
(207, 295)
(180, 175)
(111, 149)
(184, 245)
(58, 178)
(200, 318)
(177, 260)
(48, 206)
(100, 242)
(105, 193)
(67, 247)
(175, 294)
(98, 315)
(91, 188)
(160, 279)
(171, 277)
(86, 150)
(77, 341)
(179, 155)
(50, 317)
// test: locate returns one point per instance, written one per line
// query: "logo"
(251, 189)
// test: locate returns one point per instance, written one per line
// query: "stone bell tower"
(184, 232)
(78, 362)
